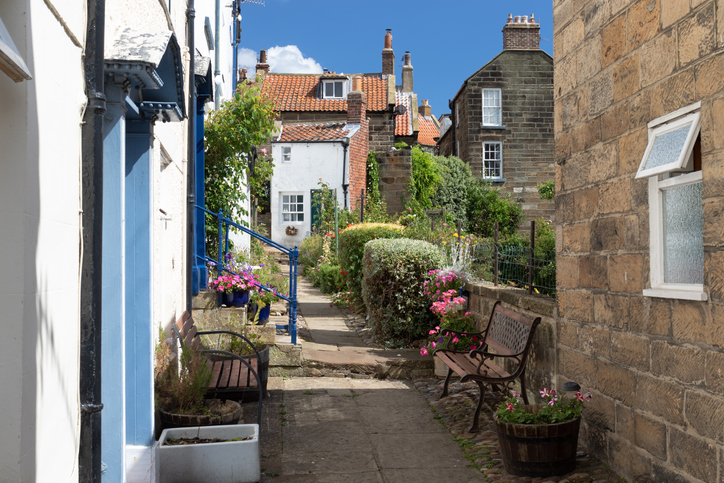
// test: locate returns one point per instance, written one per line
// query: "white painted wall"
(40, 134)
(309, 163)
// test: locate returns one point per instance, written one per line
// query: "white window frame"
(334, 81)
(500, 162)
(498, 107)
(286, 154)
(293, 218)
(660, 180)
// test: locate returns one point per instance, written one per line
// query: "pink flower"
(579, 396)
(553, 400)
(455, 339)
(263, 151)
(544, 392)
(433, 344)
(423, 351)
(588, 396)
(433, 331)
(510, 407)
(515, 393)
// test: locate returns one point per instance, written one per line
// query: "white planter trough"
(223, 462)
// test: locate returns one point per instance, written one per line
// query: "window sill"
(676, 294)
(494, 128)
(494, 180)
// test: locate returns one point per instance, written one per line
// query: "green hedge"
(393, 288)
(351, 249)
(310, 252)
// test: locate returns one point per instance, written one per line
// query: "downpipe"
(191, 160)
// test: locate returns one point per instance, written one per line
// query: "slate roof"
(314, 132)
(429, 129)
(299, 92)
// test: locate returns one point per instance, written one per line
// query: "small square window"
(333, 89)
(492, 160)
(492, 108)
(676, 214)
(286, 154)
(292, 207)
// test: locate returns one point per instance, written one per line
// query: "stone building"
(639, 105)
(502, 119)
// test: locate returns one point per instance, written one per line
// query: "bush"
(393, 288)
(329, 278)
(351, 249)
(486, 205)
(452, 194)
(426, 177)
(310, 252)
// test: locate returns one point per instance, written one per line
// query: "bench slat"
(215, 374)
(234, 376)
(189, 338)
(188, 323)
(225, 373)
(251, 380)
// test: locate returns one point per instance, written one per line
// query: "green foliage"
(426, 177)
(181, 391)
(547, 190)
(351, 249)
(486, 205)
(231, 134)
(329, 278)
(393, 288)
(402, 145)
(324, 202)
(310, 251)
(373, 179)
(556, 409)
(452, 194)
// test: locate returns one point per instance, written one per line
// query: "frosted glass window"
(670, 146)
(286, 154)
(492, 115)
(683, 227)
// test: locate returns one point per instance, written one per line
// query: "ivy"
(231, 134)
(426, 177)
(547, 190)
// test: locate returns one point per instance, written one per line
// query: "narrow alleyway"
(332, 428)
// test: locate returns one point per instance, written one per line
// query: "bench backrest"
(510, 333)
(187, 331)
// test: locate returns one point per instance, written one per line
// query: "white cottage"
(307, 154)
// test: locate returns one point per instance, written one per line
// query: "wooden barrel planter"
(539, 450)
(173, 420)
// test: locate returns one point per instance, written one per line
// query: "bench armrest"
(209, 332)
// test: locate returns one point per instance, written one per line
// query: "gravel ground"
(456, 412)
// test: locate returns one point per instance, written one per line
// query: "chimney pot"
(262, 57)
(522, 34)
(532, 18)
(525, 19)
(388, 39)
(388, 55)
(510, 18)
(357, 83)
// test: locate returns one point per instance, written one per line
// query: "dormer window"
(333, 89)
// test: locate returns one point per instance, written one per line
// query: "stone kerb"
(542, 369)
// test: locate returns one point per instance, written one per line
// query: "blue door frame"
(293, 253)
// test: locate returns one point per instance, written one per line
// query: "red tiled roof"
(313, 132)
(428, 130)
(299, 92)
(403, 126)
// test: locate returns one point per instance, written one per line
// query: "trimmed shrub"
(351, 249)
(452, 194)
(393, 288)
(329, 278)
(310, 252)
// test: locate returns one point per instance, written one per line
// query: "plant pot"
(291, 231)
(539, 450)
(264, 313)
(173, 420)
(221, 462)
(237, 298)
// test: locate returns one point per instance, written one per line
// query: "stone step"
(205, 300)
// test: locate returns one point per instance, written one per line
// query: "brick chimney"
(356, 103)
(242, 74)
(388, 55)
(262, 67)
(407, 74)
(521, 33)
(425, 109)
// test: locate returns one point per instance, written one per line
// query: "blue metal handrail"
(292, 253)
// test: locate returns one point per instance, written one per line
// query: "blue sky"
(448, 40)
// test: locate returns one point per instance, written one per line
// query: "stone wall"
(541, 370)
(525, 78)
(395, 172)
(655, 365)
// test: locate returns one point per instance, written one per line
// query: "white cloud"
(289, 59)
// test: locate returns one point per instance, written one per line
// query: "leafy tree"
(231, 134)
(426, 177)
(452, 194)
(486, 205)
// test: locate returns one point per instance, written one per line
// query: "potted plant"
(234, 287)
(180, 390)
(540, 440)
(291, 230)
(263, 300)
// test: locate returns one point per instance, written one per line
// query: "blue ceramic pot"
(264, 313)
(236, 299)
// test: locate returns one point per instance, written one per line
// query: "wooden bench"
(508, 337)
(232, 374)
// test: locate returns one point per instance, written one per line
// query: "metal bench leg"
(523, 392)
(447, 381)
(474, 428)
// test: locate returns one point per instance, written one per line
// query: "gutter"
(89, 456)
(191, 157)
